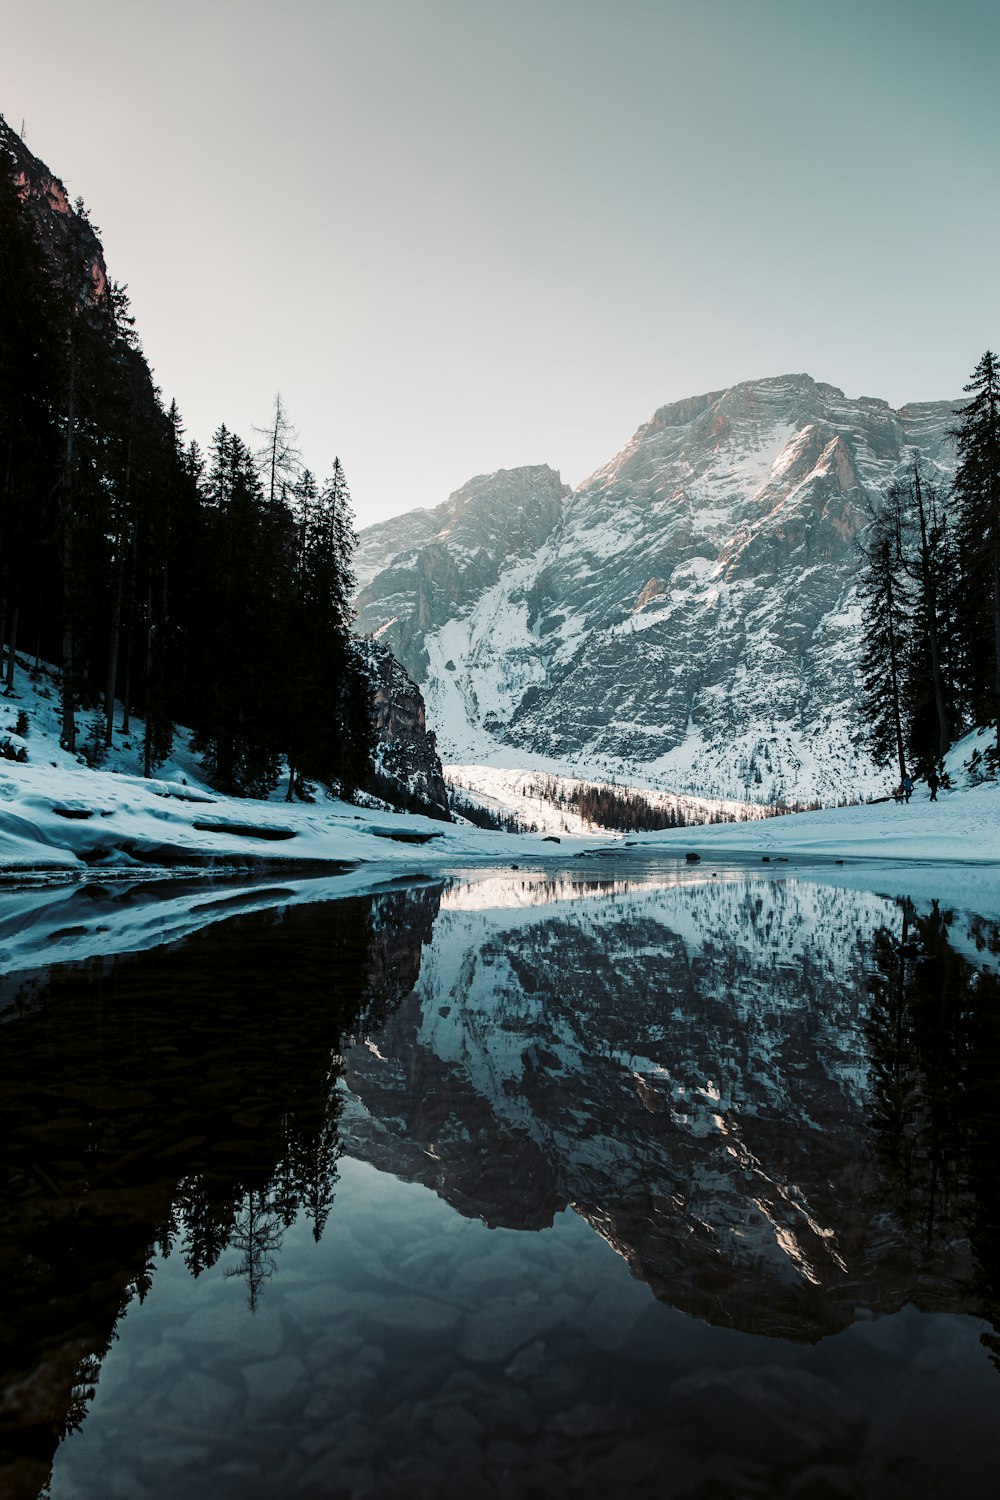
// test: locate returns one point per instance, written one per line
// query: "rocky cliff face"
(686, 618)
(47, 200)
(418, 571)
(405, 752)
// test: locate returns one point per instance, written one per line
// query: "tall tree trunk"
(931, 602)
(894, 680)
(129, 631)
(6, 571)
(111, 675)
(38, 628)
(996, 619)
(68, 737)
(147, 746)
(12, 659)
(116, 610)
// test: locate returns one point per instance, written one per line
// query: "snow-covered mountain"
(417, 571)
(694, 1064)
(685, 619)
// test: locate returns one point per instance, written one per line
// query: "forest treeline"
(621, 809)
(628, 811)
(930, 592)
(209, 589)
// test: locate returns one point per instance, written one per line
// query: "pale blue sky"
(461, 235)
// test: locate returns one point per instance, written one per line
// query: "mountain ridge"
(687, 617)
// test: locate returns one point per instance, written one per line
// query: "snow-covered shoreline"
(59, 907)
(104, 861)
(59, 816)
(76, 821)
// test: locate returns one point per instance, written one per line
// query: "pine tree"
(977, 493)
(278, 458)
(243, 585)
(356, 732)
(330, 729)
(79, 316)
(122, 418)
(303, 646)
(929, 683)
(886, 617)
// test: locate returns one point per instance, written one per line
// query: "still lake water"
(629, 1180)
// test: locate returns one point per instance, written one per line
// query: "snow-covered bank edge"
(961, 827)
(80, 824)
(104, 861)
(71, 923)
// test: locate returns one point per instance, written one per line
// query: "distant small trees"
(622, 809)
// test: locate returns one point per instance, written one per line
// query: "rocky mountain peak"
(686, 618)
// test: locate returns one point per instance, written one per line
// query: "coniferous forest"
(206, 589)
(930, 591)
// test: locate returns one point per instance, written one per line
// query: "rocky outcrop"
(405, 751)
(48, 202)
(419, 570)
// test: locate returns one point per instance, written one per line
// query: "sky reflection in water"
(654, 1183)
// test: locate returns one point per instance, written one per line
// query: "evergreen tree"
(886, 615)
(928, 675)
(81, 315)
(122, 418)
(977, 493)
(304, 647)
(278, 458)
(356, 736)
(329, 719)
(215, 593)
(177, 540)
(244, 584)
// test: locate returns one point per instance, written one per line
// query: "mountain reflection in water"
(776, 1100)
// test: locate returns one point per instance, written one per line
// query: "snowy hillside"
(685, 620)
(84, 853)
(539, 799)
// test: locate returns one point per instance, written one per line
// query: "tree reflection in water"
(257, 1235)
(186, 1102)
(934, 1034)
(179, 1101)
